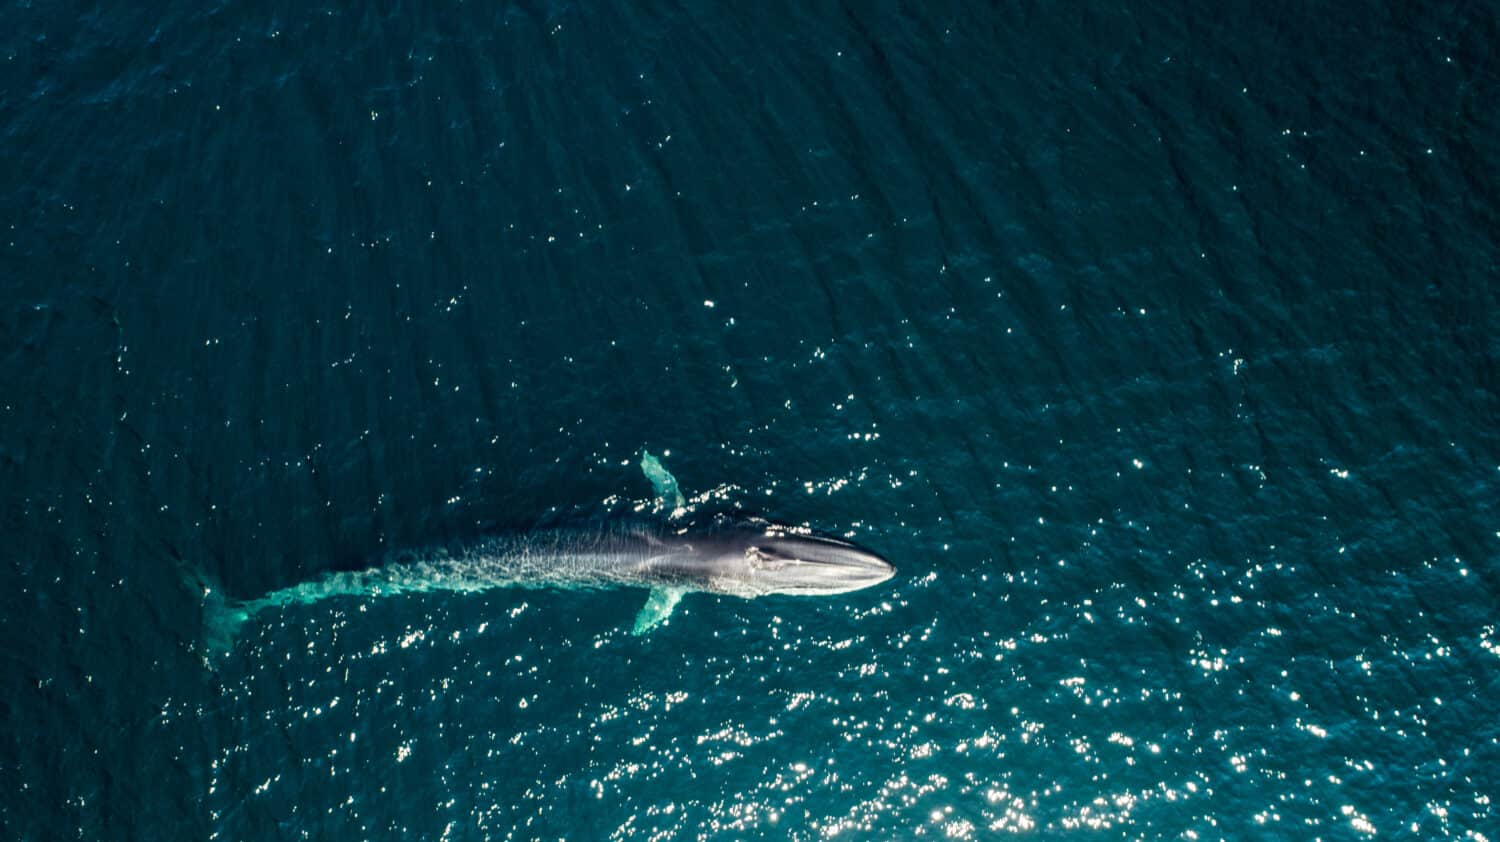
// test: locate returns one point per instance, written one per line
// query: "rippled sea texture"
(1156, 344)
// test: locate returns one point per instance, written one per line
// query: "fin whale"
(737, 559)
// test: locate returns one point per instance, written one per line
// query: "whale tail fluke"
(223, 616)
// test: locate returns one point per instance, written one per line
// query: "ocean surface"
(1157, 345)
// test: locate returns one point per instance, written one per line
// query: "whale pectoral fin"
(663, 483)
(657, 610)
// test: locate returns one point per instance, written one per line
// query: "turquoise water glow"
(1155, 344)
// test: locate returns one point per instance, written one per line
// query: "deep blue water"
(1156, 344)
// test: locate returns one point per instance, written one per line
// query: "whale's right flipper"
(657, 610)
(664, 483)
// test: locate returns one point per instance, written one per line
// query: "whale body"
(745, 559)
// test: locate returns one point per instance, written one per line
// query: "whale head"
(777, 560)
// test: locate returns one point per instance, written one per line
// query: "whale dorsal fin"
(664, 484)
(657, 610)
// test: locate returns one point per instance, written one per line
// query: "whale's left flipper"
(664, 484)
(657, 610)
